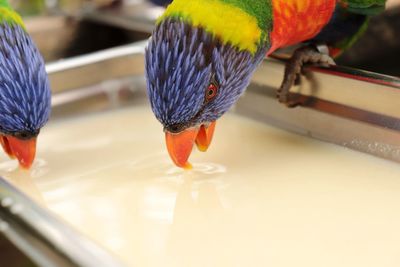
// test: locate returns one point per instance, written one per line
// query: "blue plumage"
(25, 98)
(181, 62)
(161, 2)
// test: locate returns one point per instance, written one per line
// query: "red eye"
(211, 92)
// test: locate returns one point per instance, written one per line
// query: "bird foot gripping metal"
(310, 54)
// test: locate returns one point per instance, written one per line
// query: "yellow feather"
(228, 22)
(9, 15)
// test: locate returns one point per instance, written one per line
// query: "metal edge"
(343, 86)
(95, 68)
(44, 238)
(366, 96)
(260, 104)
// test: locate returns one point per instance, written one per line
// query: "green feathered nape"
(364, 7)
(261, 10)
(244, 24)
(8, 15)
(4, 3)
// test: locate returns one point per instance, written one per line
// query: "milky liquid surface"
(259, 197)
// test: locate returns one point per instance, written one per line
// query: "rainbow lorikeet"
(24, 88)
(202, 54)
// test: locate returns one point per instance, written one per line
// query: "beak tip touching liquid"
(187, 166)
(180, 145)
(23, 150)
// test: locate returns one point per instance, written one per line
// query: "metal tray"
(351, 108)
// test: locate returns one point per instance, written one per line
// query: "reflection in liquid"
(22, 179)
(197, 209)
(278, 199)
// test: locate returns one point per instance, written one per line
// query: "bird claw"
(295, 69)
(288, 100)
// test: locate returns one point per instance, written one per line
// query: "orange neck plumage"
(298, 20)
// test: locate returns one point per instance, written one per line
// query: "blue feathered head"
(193, 79)
(24, 86)
(25, 99)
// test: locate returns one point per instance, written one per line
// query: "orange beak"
(23, 150)
(180, 145)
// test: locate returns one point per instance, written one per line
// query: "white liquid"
(259, 197)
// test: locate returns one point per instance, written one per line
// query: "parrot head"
(24, 93)
(193, 78)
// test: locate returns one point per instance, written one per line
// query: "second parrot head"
(192, 80)
(25, 98)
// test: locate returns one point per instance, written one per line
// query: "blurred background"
(378, 50)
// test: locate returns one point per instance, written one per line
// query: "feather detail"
(228, 22)
(4, 3)
(8, 15)
(363, 7)
(299, 20)
(24, 86)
